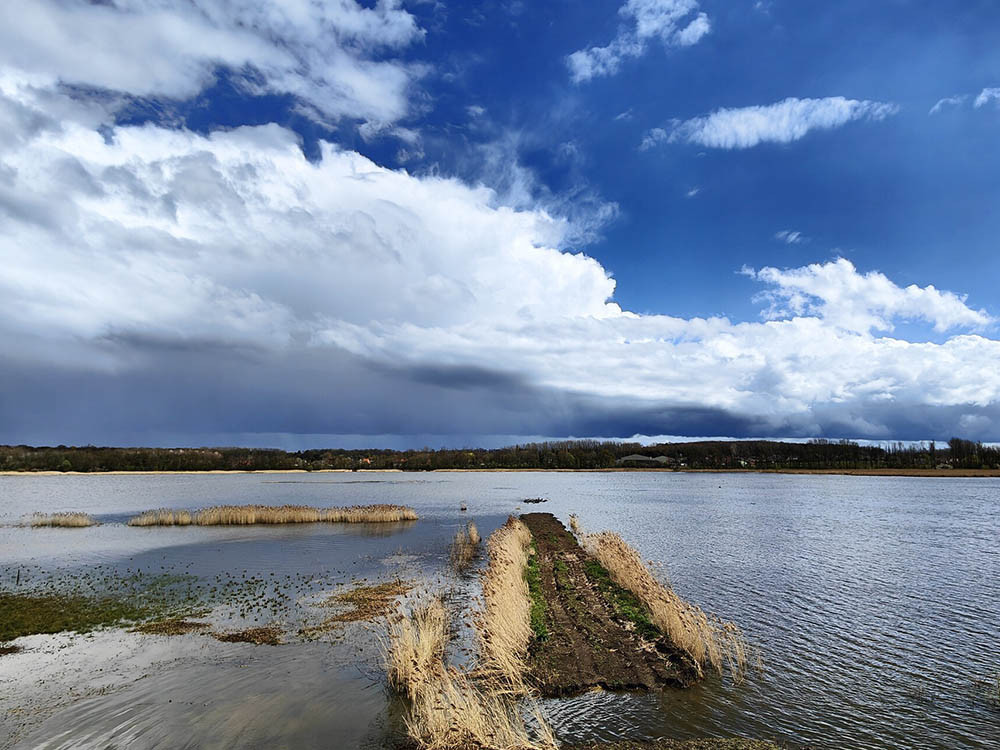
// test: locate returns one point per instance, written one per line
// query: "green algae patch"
(31, 614)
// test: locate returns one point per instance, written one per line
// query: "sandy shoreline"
(956, 473)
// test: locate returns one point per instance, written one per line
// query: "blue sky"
(430, 222)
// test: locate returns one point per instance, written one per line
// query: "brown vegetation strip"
(247, 515)
(5, 650)
(71, 520)
(269, 635)
(367, 602)
(172, 627)
(584, 641)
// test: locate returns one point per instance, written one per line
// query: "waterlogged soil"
(583, 640)
(706, 744)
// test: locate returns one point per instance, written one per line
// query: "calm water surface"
(875, 600)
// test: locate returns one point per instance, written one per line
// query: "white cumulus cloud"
(858, 302)
(676, 23)
(331, 55)
(783, 122)
(145, 250)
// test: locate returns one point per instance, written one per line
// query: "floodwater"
(875, 602)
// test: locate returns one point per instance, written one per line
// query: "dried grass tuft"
(448, 709)
(465, 546)
(62, 520)
(711, 642)
(504, 625)
(246, 515)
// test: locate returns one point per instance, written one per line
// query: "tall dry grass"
(246, 515)
(711, 642)
(163, 517)
(71, 520)
(465, 546)
(450, 710)
(504, 625)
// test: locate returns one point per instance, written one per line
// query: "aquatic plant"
(162, 517)
(246, 515)
(465, 546)
(710, 641)
(450, 709)
(574, 524)
(504, 626)
(268, 635)
(70, 520)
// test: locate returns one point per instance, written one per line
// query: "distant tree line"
(576, 454)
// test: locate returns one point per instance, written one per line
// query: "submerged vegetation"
(33, 613)
(449, 709)
(363, 603)
(246, 515)
(69, 520)
(464, 547)
(266, 635)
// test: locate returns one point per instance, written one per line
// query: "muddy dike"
(705, 744)
(589, 632)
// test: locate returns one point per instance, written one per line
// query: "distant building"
(637, 460)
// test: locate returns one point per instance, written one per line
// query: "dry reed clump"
(62, 520)
(162, 517)
(246, 515)
(710, 641)
(574, 524)
(448, 709)
(465, 546)
(504, 625)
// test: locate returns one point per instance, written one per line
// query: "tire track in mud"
(588, 644)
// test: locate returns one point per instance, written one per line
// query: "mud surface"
(586, 644)
(707, 744)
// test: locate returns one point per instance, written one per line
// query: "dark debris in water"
(173, 626)
(268, 635)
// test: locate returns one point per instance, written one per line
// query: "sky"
(311, 223)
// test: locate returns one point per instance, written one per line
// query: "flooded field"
(874, 600)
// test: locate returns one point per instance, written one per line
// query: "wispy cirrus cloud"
(783, 122)
(790, 237)
(987, 96)
(676, 23)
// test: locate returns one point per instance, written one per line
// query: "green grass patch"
(533, 576)
(625, 604)
(28, 614)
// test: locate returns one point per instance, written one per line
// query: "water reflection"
(875, 600)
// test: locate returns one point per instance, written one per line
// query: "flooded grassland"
(873, 600)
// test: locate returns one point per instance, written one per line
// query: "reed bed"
(504, 625)
(710, 641)
(448, 709)
(465, 546)
(247, 515)
(62, 520)
(163, 517)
